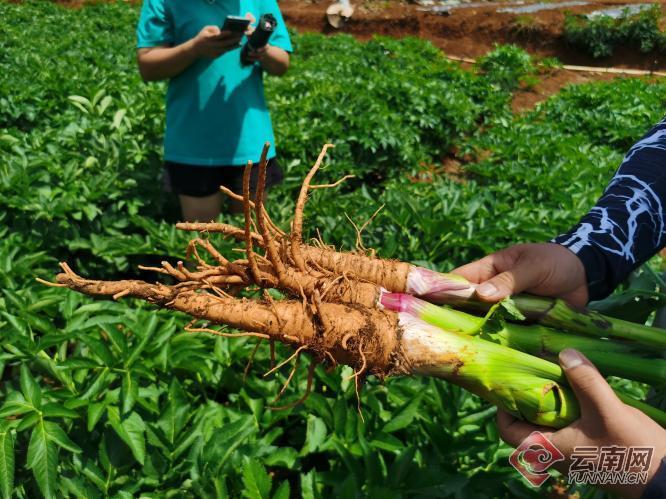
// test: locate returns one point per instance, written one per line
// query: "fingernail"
(486, 289)
(570, 358)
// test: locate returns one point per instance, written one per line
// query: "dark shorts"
(202, 181)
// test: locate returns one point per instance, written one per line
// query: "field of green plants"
(601, 35)
(113, 399)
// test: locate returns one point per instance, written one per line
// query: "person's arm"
(625, 228)
(274, 60)
(605, 422)
(274, 57)
(627, 225)
(163, 62)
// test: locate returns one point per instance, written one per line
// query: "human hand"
(252, 54)
(605, 421)
(546, 269)
(250, 28)
(256, 55)
(211, 42)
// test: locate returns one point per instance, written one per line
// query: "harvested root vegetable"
(336, 311)
(371, 341)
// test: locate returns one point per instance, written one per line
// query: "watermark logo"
(534, 456)
(610, 465)
(613, 464)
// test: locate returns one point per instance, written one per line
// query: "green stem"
(528, 387)
(456, 291)
(611, 358)
(616, 362)
(558, 314)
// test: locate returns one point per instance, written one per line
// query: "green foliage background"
(113, 399)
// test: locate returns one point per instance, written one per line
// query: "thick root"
(354, 335)
(389, 274)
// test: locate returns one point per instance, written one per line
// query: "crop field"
(115, 399)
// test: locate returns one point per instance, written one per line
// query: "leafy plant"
(507, 66)
(79, 181)
(600, 35)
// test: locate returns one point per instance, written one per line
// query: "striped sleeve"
(626, 226)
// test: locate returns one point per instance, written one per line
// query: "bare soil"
(472, 32)
(468, 32)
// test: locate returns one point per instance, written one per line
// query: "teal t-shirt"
(216, 113)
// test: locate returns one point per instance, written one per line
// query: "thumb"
(518, 278)
(594, 394)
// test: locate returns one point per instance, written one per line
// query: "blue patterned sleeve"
(626, 226)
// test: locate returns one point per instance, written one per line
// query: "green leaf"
(78, 487)
(225, 441)
(118, 118)
(100, 349)
(131, 430)
(15, 408)
(283, 491)
(387, 442)
(148, 329)
(405, 416)
(58, 436)
(129, 391)
(510, 306)
(104, 104)
(256, 481)
(308, 485)
(401, 465)
(6, 461)
(95, 411)
(95, 475)
(315, 435)
(79, 363)
(30, 388)
(284, 457)
(28, 421)
(98, 384)
(117, 338)
(57, 411)
(8, 139)
(176, 413)
(81, 102)
(43, 460)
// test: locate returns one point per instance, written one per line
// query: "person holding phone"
(216, 114)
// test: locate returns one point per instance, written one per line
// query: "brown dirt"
(473, 32)
(550, 84)
(468, 32)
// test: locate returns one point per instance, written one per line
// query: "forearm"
(275, 61)
(161, 63)
(627, 225)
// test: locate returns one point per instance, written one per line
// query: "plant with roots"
(355, 309)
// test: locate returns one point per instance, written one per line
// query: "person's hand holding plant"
(552, 270)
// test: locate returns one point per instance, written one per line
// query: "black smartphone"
(236, 24)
